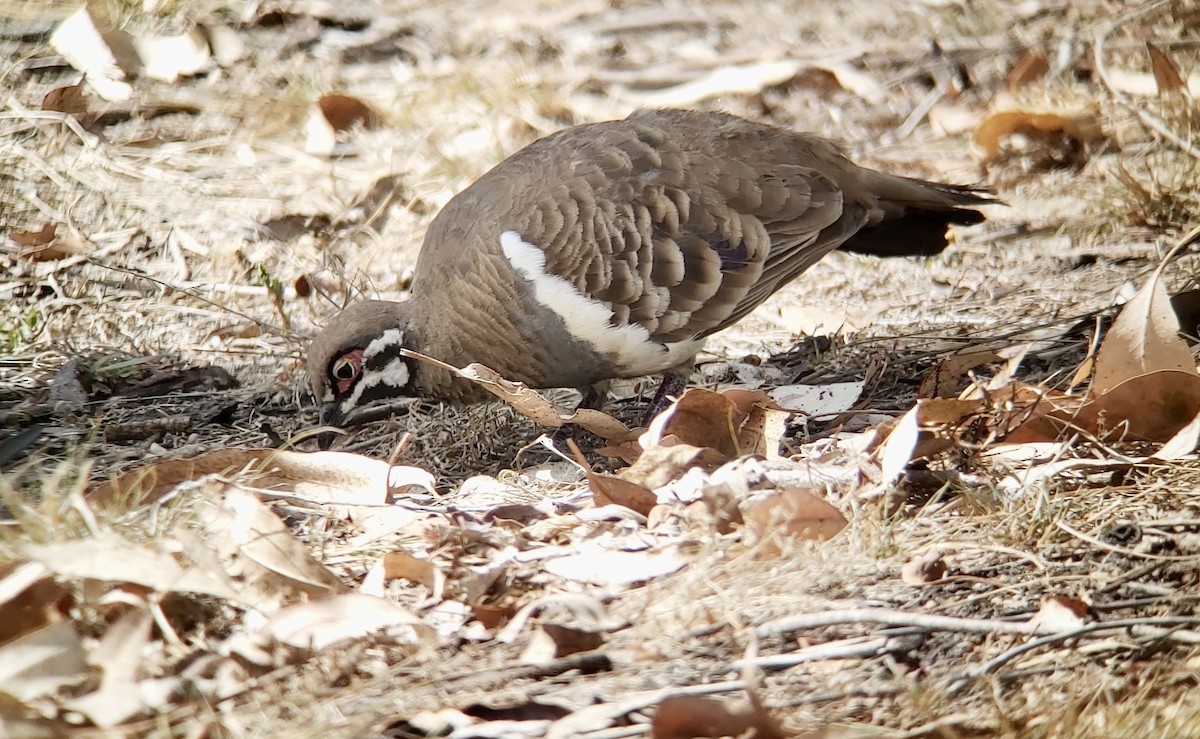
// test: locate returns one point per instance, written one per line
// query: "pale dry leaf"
(42, 661)
(224, 42)
(916, 435)
(794, 514)
(733, 79)
(323, 477)
(551, 641)
(580, 609)
(1143, 338)
(702, 418)
(532, 405)
(1182, 444)
(1143, 84)
(853, 80)
(348, 617)
(1021, 479)
(167, 58)
(924, 569)
(660, 465)
(1060, 613)
(85, 48)
(119, 656)
(818, 400)
(404, 565)
(599, 566)
(264, 540)
(109, 558)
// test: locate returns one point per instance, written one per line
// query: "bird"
(613, 250)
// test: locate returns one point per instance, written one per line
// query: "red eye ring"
(346, 370)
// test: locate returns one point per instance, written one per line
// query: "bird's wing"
(671, 235)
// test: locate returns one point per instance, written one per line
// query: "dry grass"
(181, 271)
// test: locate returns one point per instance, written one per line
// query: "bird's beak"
(329, 415)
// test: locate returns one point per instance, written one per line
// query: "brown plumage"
(613, 249)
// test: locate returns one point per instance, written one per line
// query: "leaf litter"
(736, 522)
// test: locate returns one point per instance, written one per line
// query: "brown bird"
(614, 249)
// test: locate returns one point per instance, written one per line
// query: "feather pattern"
(614, 249)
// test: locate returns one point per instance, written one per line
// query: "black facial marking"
(377, 362)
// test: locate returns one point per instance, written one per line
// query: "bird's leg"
(674, 382)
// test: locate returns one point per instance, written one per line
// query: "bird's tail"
(915, 216)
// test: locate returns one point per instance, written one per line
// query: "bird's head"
(355, 367)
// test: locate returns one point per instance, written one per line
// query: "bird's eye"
(345, 368)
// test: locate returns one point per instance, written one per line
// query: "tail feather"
(916, 215)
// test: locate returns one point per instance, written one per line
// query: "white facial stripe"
(395, 374)
(629, 346)
(391, 337)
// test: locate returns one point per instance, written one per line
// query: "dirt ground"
(203, 236)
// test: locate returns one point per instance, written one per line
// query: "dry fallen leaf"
(1029, 68)
(818, 400)
(108, 558)
(101, 56)
(532, 405)
(1182, 444)
(948, 378)
(333, 114)
(923, 431)
(1080, 126)
(594, 564)
(351, 616)
(118, 656)
(733, 79)
(1144, 338)
(402, 565)
(688, 716)
(1154, 406)
(325, 477)
(167, 58)
(42, 661)
(702, 418)
(793, 514)
(551, 641)
(1167, 77)
(1060, 613)
(29, 599)
(922, 570)
(660, 465)
(261, 549)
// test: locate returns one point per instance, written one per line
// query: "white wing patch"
(629, 346)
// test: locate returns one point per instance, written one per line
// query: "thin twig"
(899, 618)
